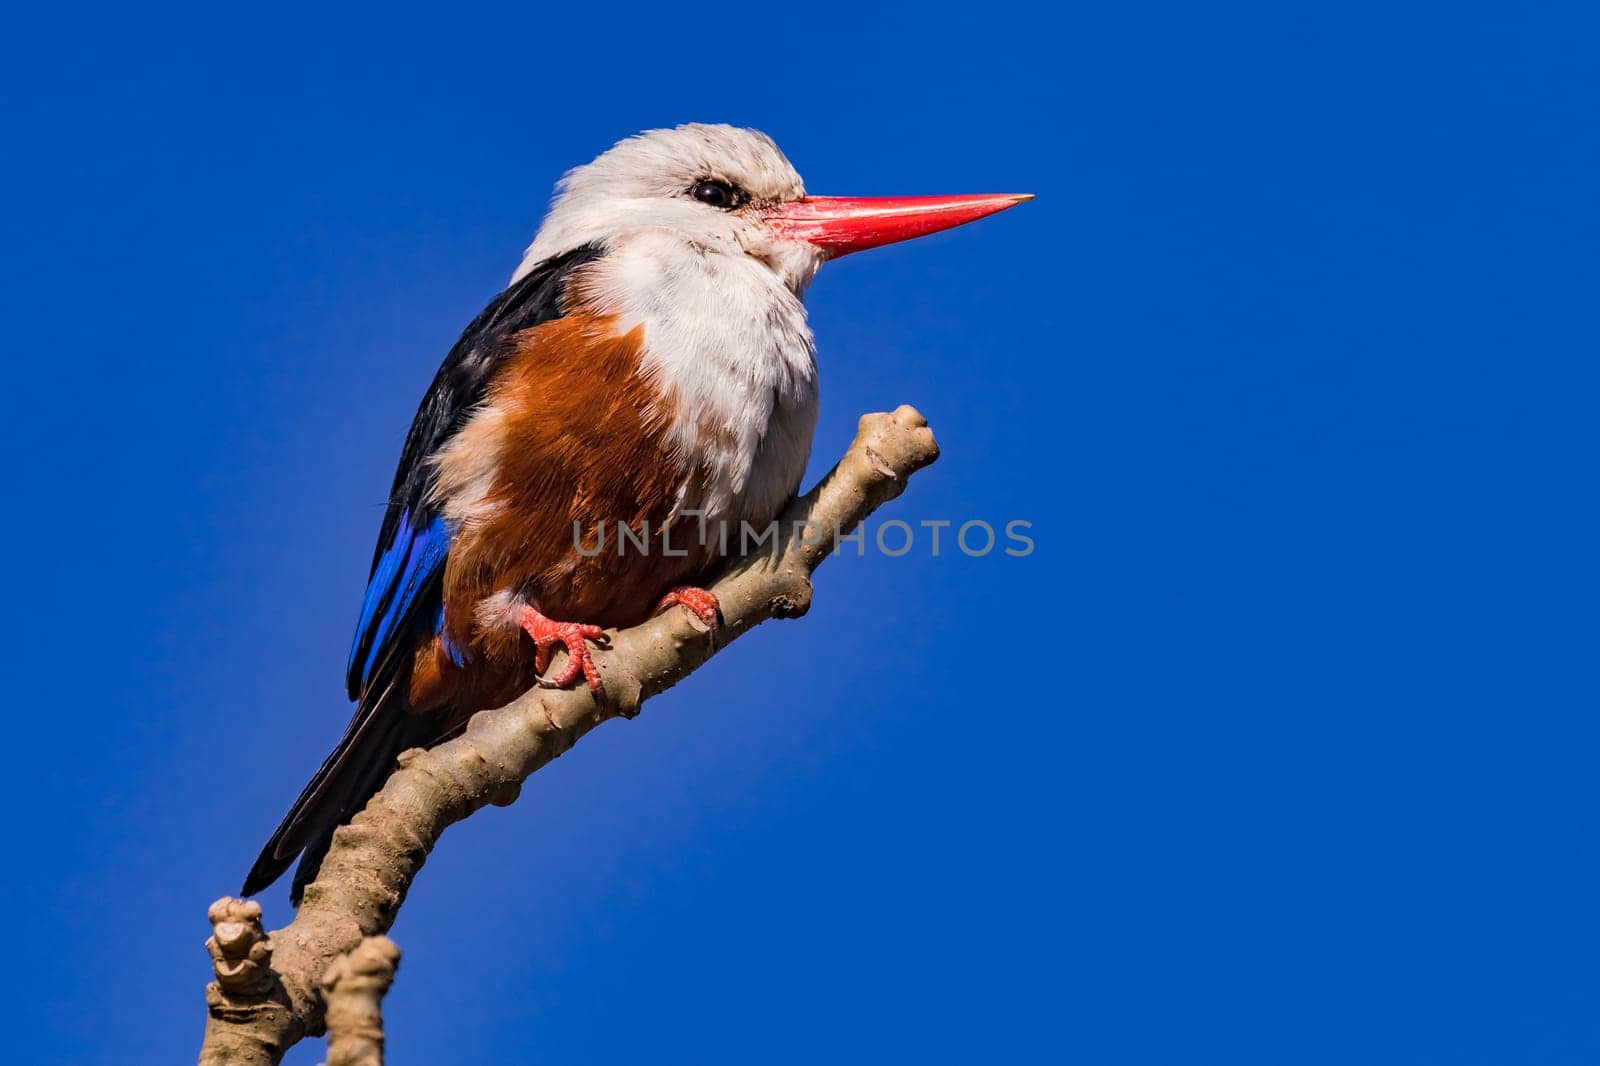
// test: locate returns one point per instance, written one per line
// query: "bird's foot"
(573, 636)
(701, 603)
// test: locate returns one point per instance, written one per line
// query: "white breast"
(727, 343)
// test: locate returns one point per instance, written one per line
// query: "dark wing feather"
(404, 598)
(459, 386)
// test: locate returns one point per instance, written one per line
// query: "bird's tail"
(347, 779)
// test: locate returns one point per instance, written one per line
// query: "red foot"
(701, 603)
(572, 636)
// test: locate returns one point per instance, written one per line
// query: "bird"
(649, 366)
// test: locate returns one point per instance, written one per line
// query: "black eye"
(717, 194)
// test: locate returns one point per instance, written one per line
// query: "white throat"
(726, 342)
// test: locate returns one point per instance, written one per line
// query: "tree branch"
(353, 989)
(365, 876)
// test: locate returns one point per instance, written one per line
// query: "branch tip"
(353, 987)
(241, 953)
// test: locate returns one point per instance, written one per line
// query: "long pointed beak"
(840, 225)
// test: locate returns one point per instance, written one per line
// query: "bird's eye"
(718, 194)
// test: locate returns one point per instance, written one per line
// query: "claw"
(701, 603)
(574, 637)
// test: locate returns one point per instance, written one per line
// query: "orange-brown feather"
(572, 434)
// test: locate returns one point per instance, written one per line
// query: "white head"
(730, 191)
(705, 184)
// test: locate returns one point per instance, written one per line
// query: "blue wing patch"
(405, 575)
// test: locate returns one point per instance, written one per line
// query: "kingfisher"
(648, 368)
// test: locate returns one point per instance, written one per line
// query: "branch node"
(786, 605)
(241, 954)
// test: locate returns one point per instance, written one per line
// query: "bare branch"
(353, 989)
(366, 873)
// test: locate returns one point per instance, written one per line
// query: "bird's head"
(731, 191)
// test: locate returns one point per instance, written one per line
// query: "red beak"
(840, 225)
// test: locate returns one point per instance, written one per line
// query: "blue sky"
(1291, 365)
